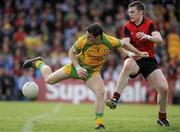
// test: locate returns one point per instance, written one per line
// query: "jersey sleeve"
(78, 45)
(114, 41)
(152, 27)
(125, 32)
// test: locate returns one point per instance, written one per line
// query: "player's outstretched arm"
(124, 53)
(130, 47)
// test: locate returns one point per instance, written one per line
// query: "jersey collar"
(143, 20)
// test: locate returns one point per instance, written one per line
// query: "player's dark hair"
(138, 4)
(95, 29)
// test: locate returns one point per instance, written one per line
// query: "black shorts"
(146, 66)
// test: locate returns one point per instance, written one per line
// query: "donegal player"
(87, 55)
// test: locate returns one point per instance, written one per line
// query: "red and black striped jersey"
(147, 26)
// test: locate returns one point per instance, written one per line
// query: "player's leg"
(96, 84)
(53, 77)
(158, 80)
(130, 67)
(49, 76)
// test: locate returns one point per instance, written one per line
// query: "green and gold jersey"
(94, 55)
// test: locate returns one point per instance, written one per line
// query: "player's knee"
(127, 68)
(100, 92)
(163, 90)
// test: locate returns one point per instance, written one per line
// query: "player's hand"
(141, 55)
(141, 35)
(132, 54)
(137, 57)
(144, 54)
(82, 73)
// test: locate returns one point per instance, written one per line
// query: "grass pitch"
(58, 117)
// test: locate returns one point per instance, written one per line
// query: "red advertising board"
(74, 91)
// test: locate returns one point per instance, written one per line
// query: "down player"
(142, 33)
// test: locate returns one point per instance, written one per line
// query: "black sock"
(116, 96)
(162, 115)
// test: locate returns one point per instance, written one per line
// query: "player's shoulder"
(148, 20)
(82, 39)
(110, 41)
(127, 23)
(107, 36)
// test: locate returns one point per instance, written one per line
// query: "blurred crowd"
(48, 28)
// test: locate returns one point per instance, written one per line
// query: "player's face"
(91, 39)
(134, 14)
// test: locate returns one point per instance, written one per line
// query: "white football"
(30, 90)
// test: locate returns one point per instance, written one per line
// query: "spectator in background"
(7, 84)
(34, 43)
(176, 90)
(71, 29)
(173, 45)
(20, 34)
(6, 57)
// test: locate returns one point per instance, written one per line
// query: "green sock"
(99, 118)
(39, 64)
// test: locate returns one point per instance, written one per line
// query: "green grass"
(58, 117)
